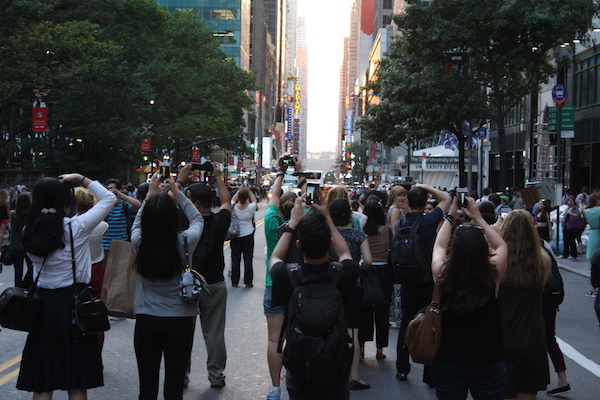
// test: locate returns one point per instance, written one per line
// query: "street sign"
(567, 121)
(482, 133)
(559, 94)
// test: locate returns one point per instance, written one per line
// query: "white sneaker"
(274, 393)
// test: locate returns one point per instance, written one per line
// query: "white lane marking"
(579, 358)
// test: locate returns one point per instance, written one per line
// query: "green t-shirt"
(272, 222)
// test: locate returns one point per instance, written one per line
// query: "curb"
(577, 271)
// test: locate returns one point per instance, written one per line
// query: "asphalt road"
(246, 335)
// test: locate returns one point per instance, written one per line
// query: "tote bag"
(120, 279)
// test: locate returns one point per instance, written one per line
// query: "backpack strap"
(296, 277)
(417, 224)
(295, 274)
(335, 272)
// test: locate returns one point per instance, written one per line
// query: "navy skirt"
(54, 358)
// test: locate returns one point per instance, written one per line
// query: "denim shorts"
(455, 382)
(269, 311)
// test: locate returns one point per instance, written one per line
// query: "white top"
(57, 272)
(245, 218)
(96, 248)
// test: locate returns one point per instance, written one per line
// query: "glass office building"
(230, 20)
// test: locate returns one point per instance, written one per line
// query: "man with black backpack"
(316, 297)
(417, 289)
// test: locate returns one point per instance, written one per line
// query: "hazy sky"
(327, 23)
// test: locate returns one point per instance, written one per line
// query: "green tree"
(508, 43)
(100, 102)
(420, 98)
(38, 51)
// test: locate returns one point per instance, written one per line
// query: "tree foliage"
(508, 44)
(108, 59)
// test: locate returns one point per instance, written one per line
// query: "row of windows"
(587, 82)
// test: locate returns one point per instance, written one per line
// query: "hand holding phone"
(165, 172)
(461, 194)
(312, 193)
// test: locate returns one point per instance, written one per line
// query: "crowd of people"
(497, 326)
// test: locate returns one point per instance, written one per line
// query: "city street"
(246, 334)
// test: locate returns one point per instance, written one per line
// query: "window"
(586, 82)
(224, 37)
(227, 14)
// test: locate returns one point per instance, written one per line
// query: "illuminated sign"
(297, 99)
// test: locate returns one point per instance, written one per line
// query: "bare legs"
(274, 359)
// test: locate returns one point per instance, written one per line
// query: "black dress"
(53, 358)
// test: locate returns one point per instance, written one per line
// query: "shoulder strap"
(187, 253)
(295, 274)
(417, 224)
(335, 272)
(72, 255)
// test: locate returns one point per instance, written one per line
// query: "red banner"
(146, 144)
(39, 119)
(230, 160)
(195, 155)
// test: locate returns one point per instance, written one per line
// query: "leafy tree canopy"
(108, 59)
(508, 43)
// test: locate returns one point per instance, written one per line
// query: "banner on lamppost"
(39, 119)
(195, 155)
(146, 144)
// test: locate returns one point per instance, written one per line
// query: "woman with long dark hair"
(164, 323)
(54, 358)
(18, 220)
(469, 275)
(377, 315)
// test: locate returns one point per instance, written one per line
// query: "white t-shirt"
(96, 248)
(245, 218)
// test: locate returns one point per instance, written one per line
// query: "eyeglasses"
(468, 226)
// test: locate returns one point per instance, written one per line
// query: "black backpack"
(554, 289)
(408, 261)
(318, 349)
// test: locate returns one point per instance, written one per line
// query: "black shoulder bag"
(90, 315)
(20, 308)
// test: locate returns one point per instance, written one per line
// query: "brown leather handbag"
(424, 332)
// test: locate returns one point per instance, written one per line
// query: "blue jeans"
(453, 382)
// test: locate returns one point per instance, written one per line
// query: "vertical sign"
(146, 144)
(195, 155)
(39, 119)
(297, 99)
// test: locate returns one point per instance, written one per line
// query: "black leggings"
(155, 336)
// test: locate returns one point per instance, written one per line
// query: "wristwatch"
(289, 230)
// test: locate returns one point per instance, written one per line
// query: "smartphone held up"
(461, 194)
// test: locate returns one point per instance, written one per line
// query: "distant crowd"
(337, 277)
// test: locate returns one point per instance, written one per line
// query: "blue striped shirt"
(117, 226)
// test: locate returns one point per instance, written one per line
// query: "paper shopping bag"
(118, 287)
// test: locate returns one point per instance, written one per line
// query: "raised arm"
(284, 241)
(499, 259)
(444, 200)
(442, 240)
(222, 192)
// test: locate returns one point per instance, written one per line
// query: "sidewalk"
(580, 266)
